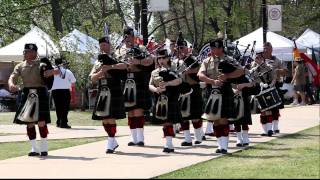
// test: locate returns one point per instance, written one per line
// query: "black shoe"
(109, 151)
(33, 154)
(197, 142)
(167, 150)
(218, 151)
(270, 132)
(65, 126)
(276, 131)
(245, 144)
(186, 143)
(44, 154)
(131, 144)
(141, 143)
(204, 138)
(239, 145)
(263, 134)
(223, 151)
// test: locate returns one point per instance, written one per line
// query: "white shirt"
(63, 80)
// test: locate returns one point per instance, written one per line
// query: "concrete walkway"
(90, 160)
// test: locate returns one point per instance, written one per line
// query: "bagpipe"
(183, 89)
(106, 59)
(45, 65)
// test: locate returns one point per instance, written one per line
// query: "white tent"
(14, 51)
(309, 39)
(282, 47)
(79, 42)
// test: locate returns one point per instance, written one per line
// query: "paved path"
(90, 160)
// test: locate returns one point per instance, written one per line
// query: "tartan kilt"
(227, 106)
(246, 119)
(44, 111)
(174, 115)
(196, 103)
(117, 110)
(144, 100)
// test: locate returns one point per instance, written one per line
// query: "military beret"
(104, 40)
(216, 43)
(30, 47)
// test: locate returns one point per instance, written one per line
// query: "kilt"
(44, 111)
(144, 100)
(196, 103)
(174, 115)
(227, 106)
(117, 110)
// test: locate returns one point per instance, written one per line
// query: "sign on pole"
(274, 17)
(158, 5)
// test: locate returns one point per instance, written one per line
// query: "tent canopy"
(14, 51)
(79, 42)
(309, 39)
(282, 47)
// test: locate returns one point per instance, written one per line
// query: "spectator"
(299, 82)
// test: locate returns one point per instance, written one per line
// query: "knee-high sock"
(245, 136)
(133, 128)
(275, 124)
(187, 136)
(266, 122)
(198, 133)
(185, 125)
(140, 130)
(239, 138)
(111, 129)
(111, 143)
(168, 134)
(209, 128)
(224, 142)
(43, 131)
(31, 131)
(44, 145)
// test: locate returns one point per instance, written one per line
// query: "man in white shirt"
(61, 93)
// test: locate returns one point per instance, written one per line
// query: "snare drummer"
(108, 82)
(166, 107)
(262, 73)
(210, 74)
(33, 86)
(280, 71)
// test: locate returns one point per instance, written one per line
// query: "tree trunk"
(163, 25)
(195, 34)
(120, 12)
(204, 15)
(144, 21)
(186, 19)
(137, 11)
(56, 15)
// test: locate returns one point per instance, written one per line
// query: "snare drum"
(268, 99)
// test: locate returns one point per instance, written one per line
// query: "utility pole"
(144, 21)
(264, 20)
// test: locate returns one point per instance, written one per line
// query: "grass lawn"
(293, 156)
(76, 118)
(15, 149)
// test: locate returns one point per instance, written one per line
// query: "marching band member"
(109, 105)
(211, 73)
(280, 71)
(191, 105)
(136, 93)
(164, 84)
(263, 73)
(34, 106)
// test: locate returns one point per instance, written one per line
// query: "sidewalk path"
(90, 160)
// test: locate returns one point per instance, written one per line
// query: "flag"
(313, 68)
